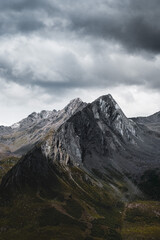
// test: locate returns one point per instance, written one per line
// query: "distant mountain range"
(20, 137)
(93, 145)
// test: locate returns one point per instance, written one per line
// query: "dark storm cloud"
(23, 5)
(70, 75)
(133, 24)
(25, 16)
(27, 77)
(28, 25)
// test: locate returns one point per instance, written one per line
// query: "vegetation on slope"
(6, 164)
(80, 209)
(142, 221)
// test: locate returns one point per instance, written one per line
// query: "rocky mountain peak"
(45, 114)
(75, 101)
(107, 106)
(33, 115)
(75, 104)
(21, 136)
(107, 112)
(94, 160)
(89, 136)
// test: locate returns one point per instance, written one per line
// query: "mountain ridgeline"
(89, 154)
(22, 136)
(96, 137)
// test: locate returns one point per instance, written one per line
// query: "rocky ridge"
(92, 176)
(20, 137)
(96, 137)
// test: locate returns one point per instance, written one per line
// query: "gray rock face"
(21, 136)
(152, 122)
(96, 136)
(155, 118)
(101, 136)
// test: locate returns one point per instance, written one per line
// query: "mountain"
(91, 161)
(152, 122)
(20, 137)
(98, 138)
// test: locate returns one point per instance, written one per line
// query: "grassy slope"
(6, 164)
(78, 208)
(142, 221)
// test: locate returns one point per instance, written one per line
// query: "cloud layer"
(61, 49)
(134, 24)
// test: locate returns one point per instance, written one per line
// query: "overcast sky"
(52, 51)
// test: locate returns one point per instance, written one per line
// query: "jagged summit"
(106, 110)
(89, 136)
(107, 102)
(75, 100)
(100, 128)
(88, 160)
(35, 117)
(107, 97)
(21, 136)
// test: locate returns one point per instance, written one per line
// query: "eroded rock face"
(101, 136)
(96, 136)
(21, 136)
(107, 111)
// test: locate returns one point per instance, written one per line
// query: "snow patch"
(15, 125)
(117, 107)
(95, 112)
